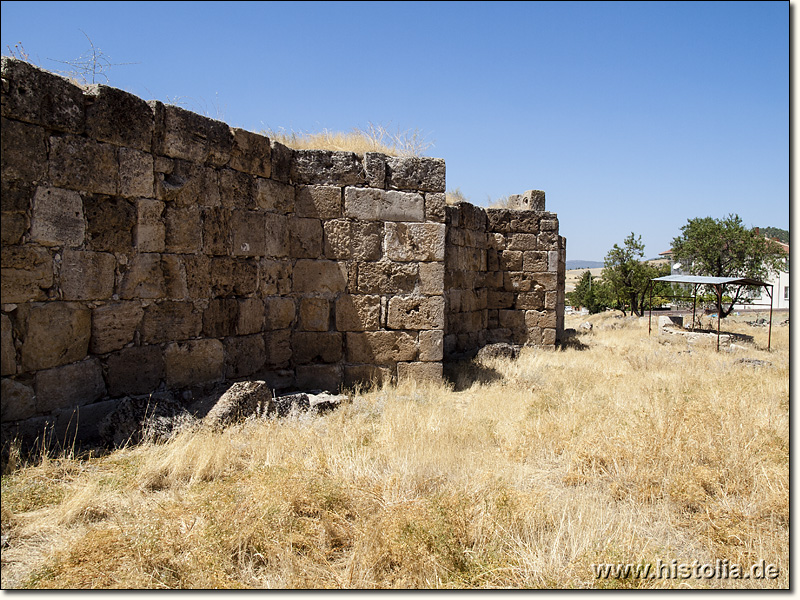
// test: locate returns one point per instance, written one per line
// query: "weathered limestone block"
(17, 401)
(233, 276)
(319, 377)
(530, 300)
(322, 276)
(552, 260)
(13, 225)
(512, 319)
(27, 272)
(249, 230)
(346, 239)
(380, 347)
(416, 173)
(548, 225)
(189, 136)
(515, 281)
(358, 313)
(221, 317)
(118, 117)
(547, 281)
(278, 348)
(366, 375)
(275, 277)
(431, 278)
(244, 355)
(548, 337)
(523, 241)
(183, 229)
(237, 190)
(315, 314)
(56, 333)
(416, 312)
(275, 196)
(435, 204)
(530, 200)
(57, 218)
(431, 345)
(87, 275)
(35, 96)
(198, 276)
(327, 167)
(143, 277)
(305, 238)
(110, 223)
(242, 400)
(281, 162)
(511, 260)
(318, 201)
(406, 242)
(503, 220)
(548, 240)
(387, 277)
(535, 261)
(217, 231)
(277, 235)
(174, 277)
(251, 316)
(149, 233)
(551, 300)
(136, 178)
(540, 318)
(419, 371)
(316, 347)
(136, 370)
(114, 326)
(279, 313)
(71, 385)
(24, 150)
(193, 362)
(368, 204)
(186, 184)
(8, 354)
(168, 321)
(251, 153)
(82, 164)
(375, 169)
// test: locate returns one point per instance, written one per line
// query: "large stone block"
(318, 201)
(194, 362)
(517, 281)
(136, 370)
(431, 278)
(530, 300)
(17, 401)
(278, 348)
(416, 312)
(216, 231)
(435, 207)
(321, 276)
(530, 200)
(279, 313)
(114, 326)
(87, 275)
(523, 241)
(13, 225)
(416, 173)
(143, 277)
(24, 151)
(237, 190)
(8, 354)
(540, 318)
(34, 95)
(346, 239)
(82, 164)
(189, 136)
(27, 273)
(233, 276)
(316, 347)
(275, 277)
(174, 271)
(368, 204)
(56, 333)
(327, 167)
(136, 177)
(249, 230)
(170, 321)
(375, 169)
(319, 377)
(110, 223)
(251, 153)
(431, 345)
(183, 229)
(277, 235)
(380, 347)
(221, 317)
(305, 238)
(251, 316)
(68, 386)
(358, 313)
(366, 375)
(186, 184)
(244, 355)
(315, 314)
(503, 220)
(275, 196)
(407, 242)
(118, 117)
(149, 233)
(57, 218)
(419, 371)
(387, 277)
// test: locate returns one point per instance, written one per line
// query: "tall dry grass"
(618, 448)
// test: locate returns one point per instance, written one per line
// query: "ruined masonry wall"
(146, 247)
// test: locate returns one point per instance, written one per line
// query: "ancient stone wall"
(145, 247)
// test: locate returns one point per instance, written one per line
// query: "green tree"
(627, 277)
(726, 248)
(588, 293)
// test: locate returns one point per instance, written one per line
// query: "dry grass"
(628, 450)
(373, 138)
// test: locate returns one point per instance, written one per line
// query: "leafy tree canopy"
(626, 276)
(775, 233)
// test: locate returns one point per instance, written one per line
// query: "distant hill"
(775, 233)
(583, 264)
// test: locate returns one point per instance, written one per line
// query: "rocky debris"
(760, 322)
(242, 399)
(586, 326)
(133, 416)
(499, 350)
(753, 362)
(315, 401)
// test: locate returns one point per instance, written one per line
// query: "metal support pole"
(694, 304)
(719, 311)
(650, 317)
(769, 335)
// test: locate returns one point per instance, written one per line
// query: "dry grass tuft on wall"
(618, 447)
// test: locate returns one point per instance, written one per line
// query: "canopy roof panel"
(704, 280)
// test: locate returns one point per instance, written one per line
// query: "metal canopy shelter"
(716, 283)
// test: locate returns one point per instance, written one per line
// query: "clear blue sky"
(632, 116)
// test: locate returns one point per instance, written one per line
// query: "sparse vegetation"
(620, 447)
